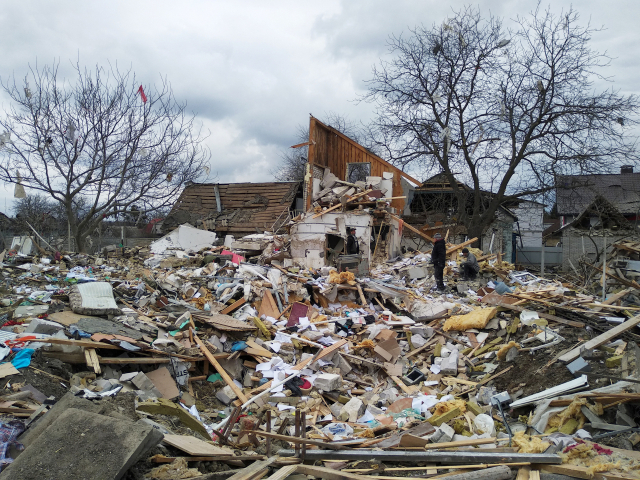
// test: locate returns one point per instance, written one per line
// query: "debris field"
(188, 359)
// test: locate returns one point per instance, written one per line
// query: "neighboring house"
(574, 193)
(595, 210)
(599, 225)
(530, 222)
(236, 209)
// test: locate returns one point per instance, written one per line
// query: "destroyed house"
(433, 207)
(236, 209)
(338, 168)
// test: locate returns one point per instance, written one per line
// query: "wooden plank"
(253, 470)
(283, 472)
(212, 458)
(307, 441)
(414, 230)
(329, 473)
(523, 473)
(461, 443)
(268, 305)
(461, 245)
(79, 343)
(261, 351)
(225, 376)
(601, 339)
(235, 305)
(406, 389)
(92, 360)
(613, 298)
(195, 446)
(362, 299)
(581, 472)
(421, 349)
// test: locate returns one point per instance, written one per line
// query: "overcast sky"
(252, 71)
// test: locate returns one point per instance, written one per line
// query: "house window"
(358, 172)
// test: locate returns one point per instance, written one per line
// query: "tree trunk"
(475, 230)
(80, 243)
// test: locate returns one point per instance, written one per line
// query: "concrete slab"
(66, 402)
(98, 325)
(81, 445)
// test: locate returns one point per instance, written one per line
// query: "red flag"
(142, 95)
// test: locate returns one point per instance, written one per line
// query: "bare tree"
(293, 161)
(41, 213)
(100, 142)
(504, 111)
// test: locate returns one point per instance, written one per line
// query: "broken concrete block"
(424, 331)
(328, 382)
(39, 325)
(353, 410)
(417, 340)
(142, 382)
(512, 354)
(226, 395)
(417, 272)
(127, 377)
(70, 446)
(449, 365)
(444, 434)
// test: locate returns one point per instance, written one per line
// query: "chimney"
(626, 169)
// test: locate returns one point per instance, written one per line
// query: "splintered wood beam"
(461, 245)
(414, 230)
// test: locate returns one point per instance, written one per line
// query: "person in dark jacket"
(438, 258)
(352, 243)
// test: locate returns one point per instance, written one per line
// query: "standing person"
(352, 243)
(470, 267)
(438, 258)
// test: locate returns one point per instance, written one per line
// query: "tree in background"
(99, 146)
(293, 161)
(43, 214)
(504, 111)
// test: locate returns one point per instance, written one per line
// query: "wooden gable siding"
(330, 148)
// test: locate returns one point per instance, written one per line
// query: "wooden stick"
(601, 339)
(461, 245)
(225, 376)
(414, 230)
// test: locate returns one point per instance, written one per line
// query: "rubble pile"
(189, 360)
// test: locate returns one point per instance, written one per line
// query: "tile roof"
(574, 193)
(245, 206)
